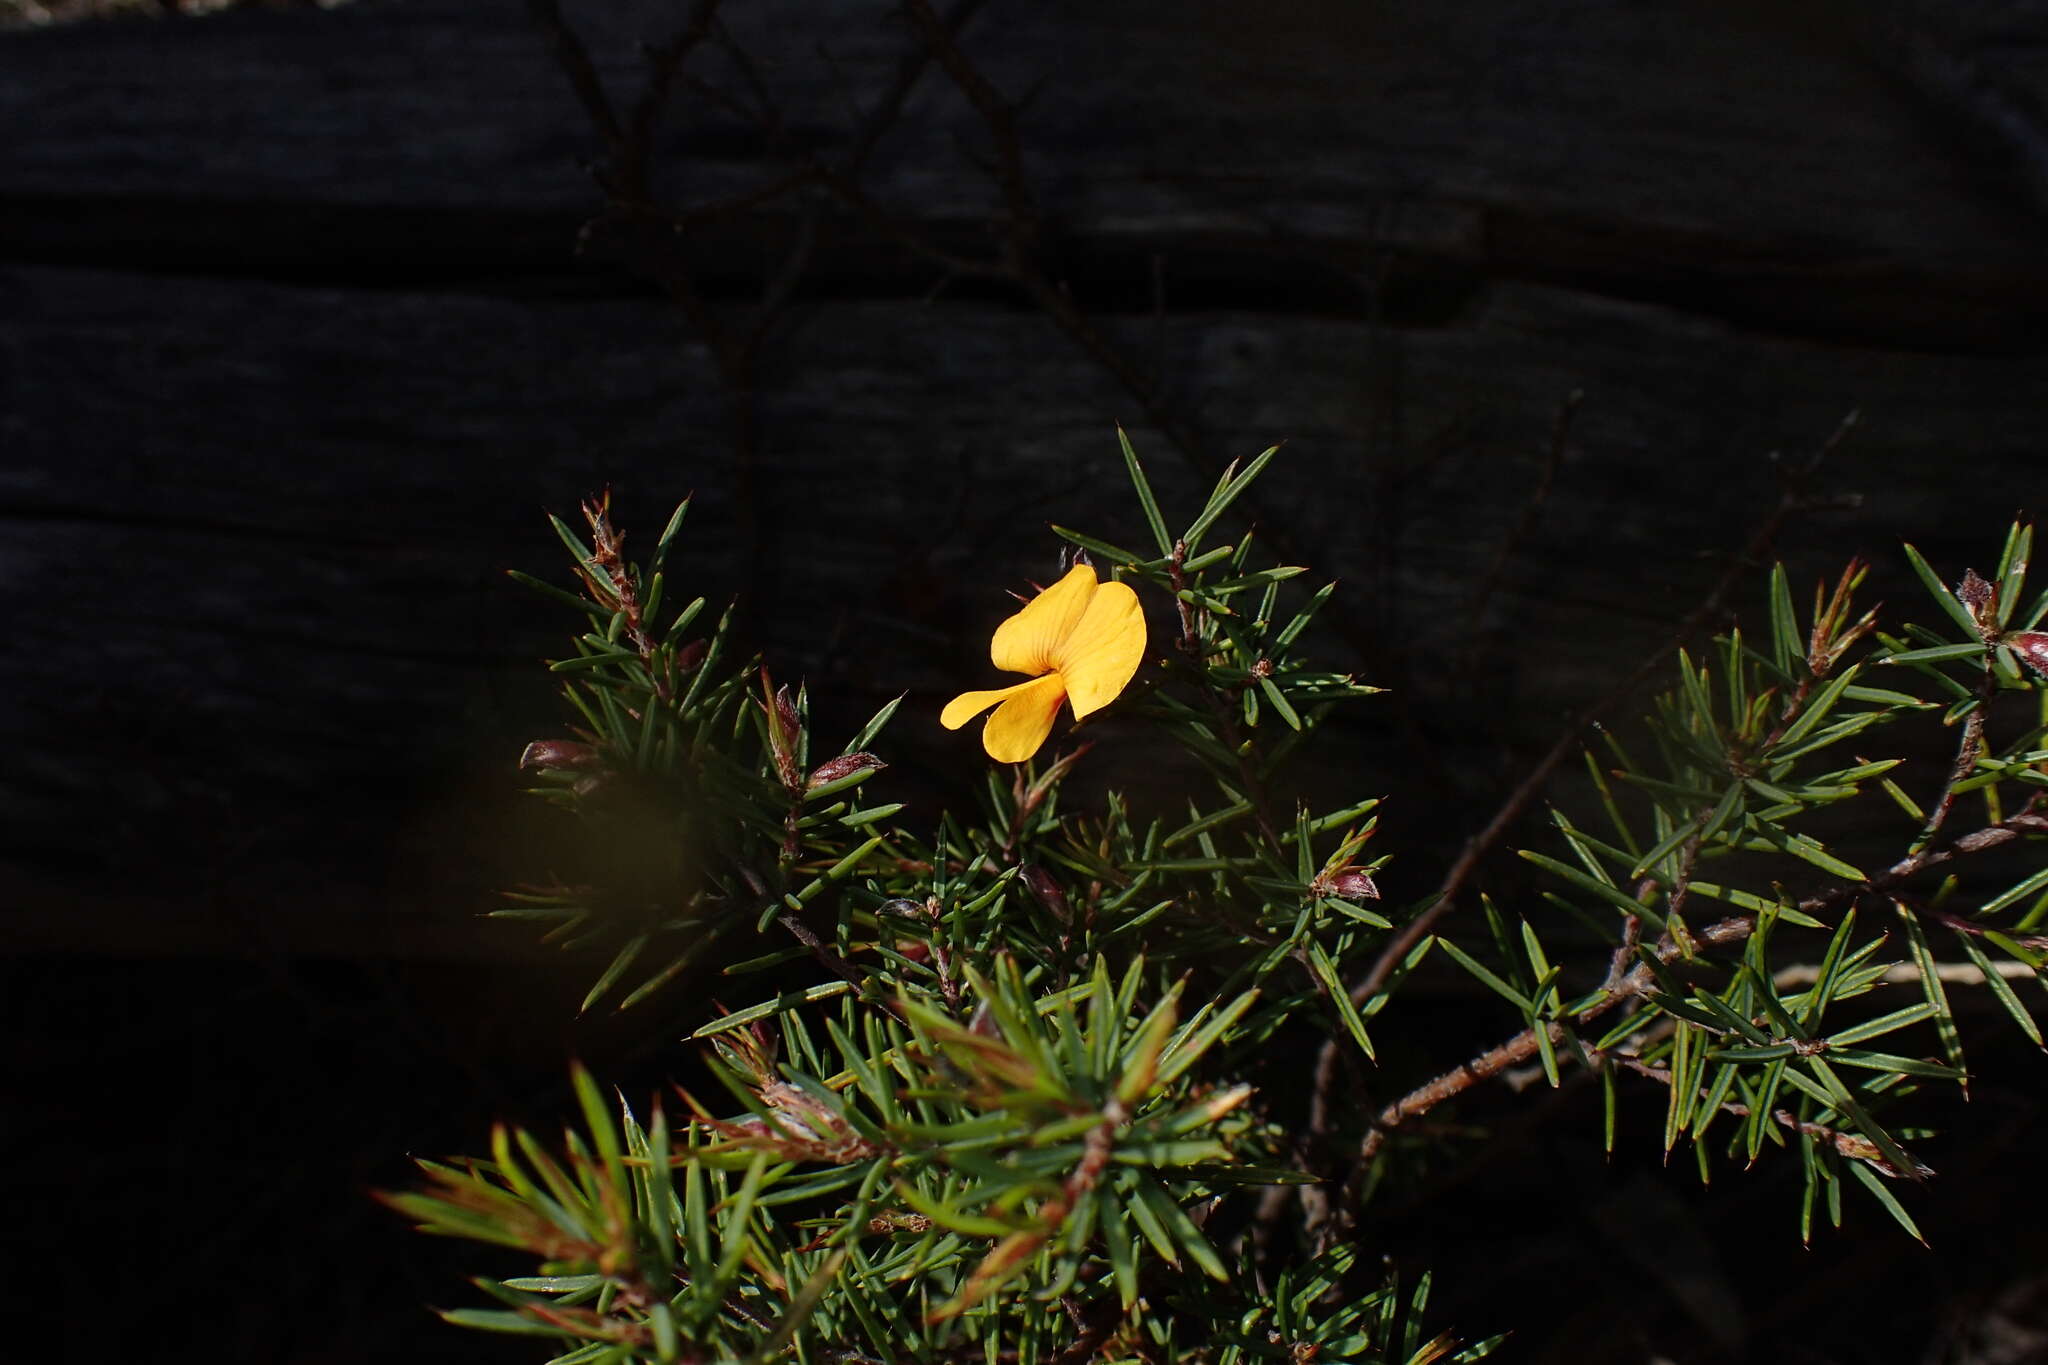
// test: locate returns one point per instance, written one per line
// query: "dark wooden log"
(293, 356)
(255, 531)
(294, 353)
(1806, 168)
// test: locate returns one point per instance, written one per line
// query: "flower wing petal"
(968, 705)
(1022, 722)
(1104, 650)
(1029, 641)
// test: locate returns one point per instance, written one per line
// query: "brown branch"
(826, 958)
(1971, 927)
(1560, 433)
(1791, 499)
(646, 238)
(631, 229)
(1098, 1146)
(900, 232)
(1021, 265)
(1524, 1045)
(617, 591)
(843, 181)
(2028, 820)
(644, 242)
(1824, 650)
(1639, 979)
(1322, 1086)
(574, 59)
(996, 112)
(909, 71)
(1848, 1144)
(1232, 738)
(942, 955)
(2000, 115)
(664, 62)
(1968, 750)
(732, 205)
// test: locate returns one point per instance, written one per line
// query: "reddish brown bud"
(846, 765)
(785, 729)
(785, 709)
(559, 753)
(690, 655)
(1982, 600)
(1045, 890)
(605, 540)
(2032, 646)
(1347, 883)
(1354, 885)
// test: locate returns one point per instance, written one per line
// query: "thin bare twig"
(1791, 499)
(1963, 925)
(574, 59)
(1190, 644)
(1525, 1045)
(1639, 979)
(1321, 1112)
(1848, 1144)
(664, 62)
(645, 237)
(1968, 750)
(1560, 434)
(1019, 263)
(826, 958)
(1909, 973)
(996, 112)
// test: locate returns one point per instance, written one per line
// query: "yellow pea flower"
(1081, 640)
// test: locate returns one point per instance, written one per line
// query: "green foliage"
(692, 770)
(1760, 1048)
(995, 1096)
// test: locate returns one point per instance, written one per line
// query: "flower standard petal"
(1024, 719)
(1104, 650)
(1029, 641)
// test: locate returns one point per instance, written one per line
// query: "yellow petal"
(1021, 723)
(1104, 650)
(968, 705)
(1028, 641)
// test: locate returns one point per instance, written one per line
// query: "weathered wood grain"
(1805, 167)
(292, 356)
(253, 581)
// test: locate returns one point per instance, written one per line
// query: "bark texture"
(294, 349)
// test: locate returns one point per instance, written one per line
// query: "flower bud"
(558, 753)
(2031, 645)
(846, 765)
(1354, 885)
(1045, 890)
(785, 712)
(785, 731)
(1982, 600)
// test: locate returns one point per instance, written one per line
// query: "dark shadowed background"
(308, 315)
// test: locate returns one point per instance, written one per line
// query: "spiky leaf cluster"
(1007, 1115)
(1780, 988)
(996, 1094)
